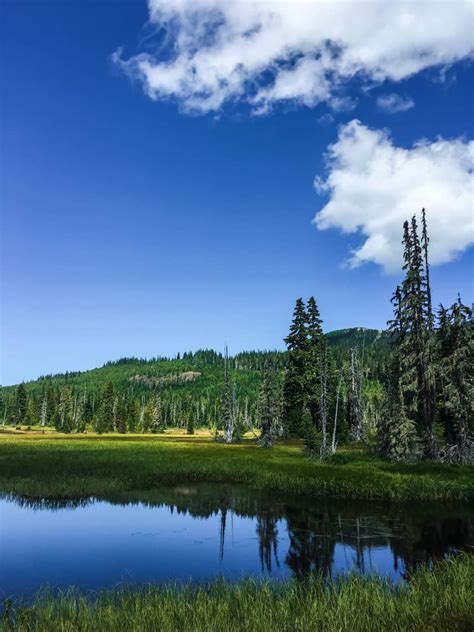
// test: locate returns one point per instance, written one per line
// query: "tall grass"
(437, 600)
(73, 467)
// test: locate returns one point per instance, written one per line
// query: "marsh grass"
(435, 600)
(39, 466)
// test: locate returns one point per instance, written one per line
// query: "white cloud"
(342, 104)
(267, 51)
(393, 103)
(373, 186)
(325, 119)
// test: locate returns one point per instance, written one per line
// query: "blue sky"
(134, 226)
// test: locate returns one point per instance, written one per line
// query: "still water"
(197, 532)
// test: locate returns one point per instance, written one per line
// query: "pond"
(197, 532)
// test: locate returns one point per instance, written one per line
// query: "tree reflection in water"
(315, 531)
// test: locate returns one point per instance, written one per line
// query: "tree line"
(408, 391)
(424, 406)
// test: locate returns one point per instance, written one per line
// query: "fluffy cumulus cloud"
(267, 51)
(373, 186)
(393, 103)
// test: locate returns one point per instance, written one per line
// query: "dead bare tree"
(334, 428)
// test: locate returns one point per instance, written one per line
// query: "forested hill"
(360, 337)
(190, 380)
(197, 370)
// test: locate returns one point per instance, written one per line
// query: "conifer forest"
(407, 392)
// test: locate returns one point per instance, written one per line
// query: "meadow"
(436, 600)
(73, 466)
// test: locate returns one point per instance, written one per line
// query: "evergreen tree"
(88, 407)
(294, 387)
(121, 416)
(313, 359)
(133, 415)
(64, 418)
(425, 240)
(78, 421)
(269, 407)
(146, 415)
(21, 404)
(105, 420)
(398, 438)
(190, 424)
(157, 421)
(413, 318)
(152, 418)
(32, 416)
(455, 347)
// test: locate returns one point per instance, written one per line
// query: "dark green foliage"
(374, 347)
(200, 396)
(415, 335)
(431, 369)
(32, 411)
(105, 419)
(78, 421)
(315, 347)
(21, 404)
(190, 425)
(294, 386)
(311, 436)
(64, 418)
(121, 416)
(153, 415)
(455, 355)
(311, 380)
(397, 437)
(412, 369)
(133, 414)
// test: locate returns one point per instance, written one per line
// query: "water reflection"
(200, 531)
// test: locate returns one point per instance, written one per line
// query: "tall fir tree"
(133, 414)
(21, 404)
(397, 437)
(294, 386)
(105, 419)
(65, 410)
(313, 357)
(455, 354)
(425, 240)
(412, 312)
(121, 416)
(32, 411)
(78, 420)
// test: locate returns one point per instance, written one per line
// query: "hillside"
(173, 372)
(192, 381)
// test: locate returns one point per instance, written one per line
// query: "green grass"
(437, 600)
(58, 466)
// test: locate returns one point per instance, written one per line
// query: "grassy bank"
(436, 600)
(65, 466)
